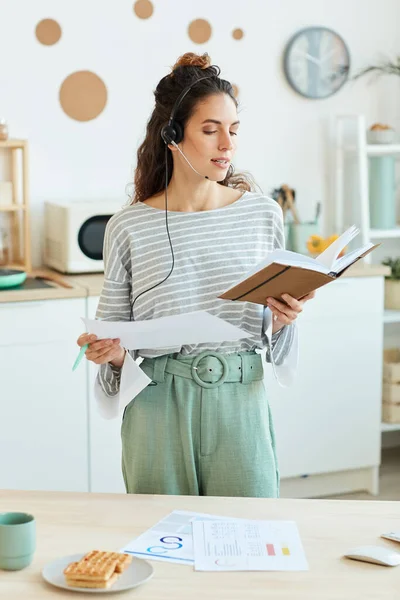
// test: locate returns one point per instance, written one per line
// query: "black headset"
(171, 132)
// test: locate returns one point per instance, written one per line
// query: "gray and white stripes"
(212, 250)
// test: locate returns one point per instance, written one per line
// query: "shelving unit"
(391, 316)
(18, 210)
(382, 149)
(357, 148)
(375, 234)
(390, 427)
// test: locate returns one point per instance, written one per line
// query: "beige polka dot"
(83, 96)
(143, 9)
(235, 90)
(237, 34)
(48, 32)
(199, 31)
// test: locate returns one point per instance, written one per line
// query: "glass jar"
(4, 241)
(3, 249)
(3, 130)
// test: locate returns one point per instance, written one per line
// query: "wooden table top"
(69, 523)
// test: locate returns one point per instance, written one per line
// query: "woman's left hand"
(285, 314)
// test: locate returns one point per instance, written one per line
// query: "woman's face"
(209, 140)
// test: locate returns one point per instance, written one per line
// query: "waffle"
(95, 556)
(81, 583)
(96, 569)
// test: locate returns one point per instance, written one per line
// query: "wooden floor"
(389, 480)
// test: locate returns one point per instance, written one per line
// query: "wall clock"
(316, 62)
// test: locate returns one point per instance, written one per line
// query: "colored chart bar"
(285, 551)
(270, 550)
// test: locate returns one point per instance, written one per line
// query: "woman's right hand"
(102, 351)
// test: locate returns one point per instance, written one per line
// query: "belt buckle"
(207, 384)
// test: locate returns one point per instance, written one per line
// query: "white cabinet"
(43, 404)
(329, 420)
(104, 437)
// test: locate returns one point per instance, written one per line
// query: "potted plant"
(392, 284)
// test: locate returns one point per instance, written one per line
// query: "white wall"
(283, 136)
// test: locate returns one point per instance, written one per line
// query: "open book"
(286, 272)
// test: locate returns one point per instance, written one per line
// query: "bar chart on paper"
(247, 545)
(271, 551)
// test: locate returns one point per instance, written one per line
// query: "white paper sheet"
(176, 330)
(133, 381)
(285, 373)
(170, 539)
(247, 545)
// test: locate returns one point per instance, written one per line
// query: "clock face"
(316, 62)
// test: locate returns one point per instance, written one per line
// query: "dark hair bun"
(190, 59)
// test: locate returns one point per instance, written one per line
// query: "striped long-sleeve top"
(212, 249)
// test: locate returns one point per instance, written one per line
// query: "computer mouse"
(392, 535)
(378, 555)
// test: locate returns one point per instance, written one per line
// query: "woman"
(203, 426)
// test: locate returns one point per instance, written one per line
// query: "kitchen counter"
(366, 270)
(93, 283)
(69, 523)
(60, 287)
(74, 286)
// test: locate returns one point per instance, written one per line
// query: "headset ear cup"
(172, 133)
(168, 134)
(178, 132)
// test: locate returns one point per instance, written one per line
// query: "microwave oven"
(74, 234)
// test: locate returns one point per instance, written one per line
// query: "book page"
(328, 256)
(346, 260)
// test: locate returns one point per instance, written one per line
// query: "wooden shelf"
(19, 266)
(17, 221)
(12, 207)
(13, 143)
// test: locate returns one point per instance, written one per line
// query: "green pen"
(80, 356)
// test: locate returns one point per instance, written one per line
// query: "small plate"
(137, 573)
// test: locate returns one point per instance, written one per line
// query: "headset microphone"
(187, 160)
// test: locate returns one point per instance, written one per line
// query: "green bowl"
(10, 278)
